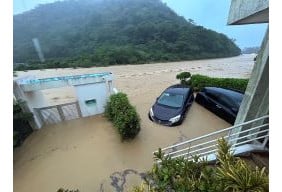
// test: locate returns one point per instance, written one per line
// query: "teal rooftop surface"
(64, 78)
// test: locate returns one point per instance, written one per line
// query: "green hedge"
(200, 81)
(123, 115)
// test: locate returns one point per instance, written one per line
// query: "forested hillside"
(84, 33)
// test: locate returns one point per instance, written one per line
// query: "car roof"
(227, 92)
(178, 89)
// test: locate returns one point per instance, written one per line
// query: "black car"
(170, 108)
(224, 103)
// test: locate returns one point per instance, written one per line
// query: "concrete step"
(261, 160)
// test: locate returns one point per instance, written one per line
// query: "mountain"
(88, 33)
(249, 50)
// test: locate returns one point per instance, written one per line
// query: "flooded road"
(87, 153)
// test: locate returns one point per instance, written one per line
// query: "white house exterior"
(92, 92)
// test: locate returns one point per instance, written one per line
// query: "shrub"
(181, 175)
(200, 81)
(229, 174)
(21, 125)
(183, 75)
(184, 78)
(123, 115)
(236, 175)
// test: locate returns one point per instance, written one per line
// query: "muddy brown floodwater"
(87, 153)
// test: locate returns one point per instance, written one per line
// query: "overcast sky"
(211, 14)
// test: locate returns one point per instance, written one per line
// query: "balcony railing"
(244, 137)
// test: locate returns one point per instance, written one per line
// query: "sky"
(211, 14)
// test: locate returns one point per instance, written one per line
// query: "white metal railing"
(237, 135)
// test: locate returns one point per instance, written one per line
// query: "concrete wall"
(33, 84)
(248, 12)
(92, 98)
(33, 99)
(256, 99)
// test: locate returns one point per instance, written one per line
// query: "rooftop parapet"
(33, 84)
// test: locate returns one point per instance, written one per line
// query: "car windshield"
(171, 100)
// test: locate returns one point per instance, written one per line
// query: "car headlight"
(151, 112)
(175, 119)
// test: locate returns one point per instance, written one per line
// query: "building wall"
(256, 99)
(92, 98)
(33, 99)
(248, 12)
(92, 92)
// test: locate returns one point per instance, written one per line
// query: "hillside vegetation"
(85, 33)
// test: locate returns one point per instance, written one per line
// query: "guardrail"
(251, 132)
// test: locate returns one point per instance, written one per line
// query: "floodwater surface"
(87, 153)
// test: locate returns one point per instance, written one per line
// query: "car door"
(224, 108)
(190, 98)
(186, 103)
(212, 101)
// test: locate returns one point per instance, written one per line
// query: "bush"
(236, 175)
(228, 174)
(123, 115)
(200, 81)
(183, 75)
(184, 78)
(21, 126)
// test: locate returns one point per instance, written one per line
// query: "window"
(212, 94)
(90, 102)
(224, 101)
(171, 100)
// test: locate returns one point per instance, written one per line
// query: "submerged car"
(171, 106)
(224, 103)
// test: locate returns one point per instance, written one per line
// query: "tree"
(100, 33)
(191, 21)
(184, 78)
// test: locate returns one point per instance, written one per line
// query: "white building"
(92, 92)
